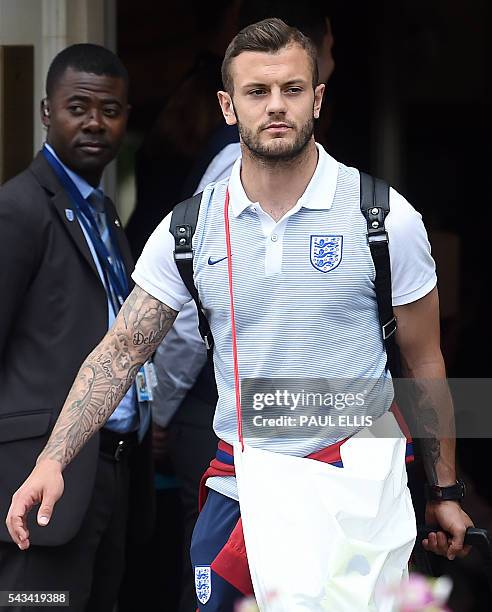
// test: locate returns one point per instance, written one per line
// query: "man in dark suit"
(64, 272)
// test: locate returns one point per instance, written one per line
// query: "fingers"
(46, 509)
(437, 543)
(466, 549)
(16, 520)
(453, 522)
(456, 543)
(17, 516)
(450, 547)
(44, 486)
(50, 495)
(18, 531)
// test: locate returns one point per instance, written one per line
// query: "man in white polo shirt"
(305, 304)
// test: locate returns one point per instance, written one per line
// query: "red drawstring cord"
(233, 322)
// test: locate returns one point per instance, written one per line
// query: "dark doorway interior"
(410, 101)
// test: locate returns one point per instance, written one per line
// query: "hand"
(160, 438)
(44, 486)
(450, 516)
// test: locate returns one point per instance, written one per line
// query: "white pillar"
(49, 26)
(53, 40)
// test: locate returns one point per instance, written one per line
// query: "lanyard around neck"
(114, 271)
(233, 322)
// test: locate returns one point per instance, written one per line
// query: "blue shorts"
(219, 565)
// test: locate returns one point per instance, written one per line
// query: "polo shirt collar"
(319, 193)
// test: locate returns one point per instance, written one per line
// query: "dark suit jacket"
(53, 311)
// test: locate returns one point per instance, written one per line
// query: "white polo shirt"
(305, 304)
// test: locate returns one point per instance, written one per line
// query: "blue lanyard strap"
(113, 268)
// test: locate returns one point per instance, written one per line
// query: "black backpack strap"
(374, 204)
(182, 227)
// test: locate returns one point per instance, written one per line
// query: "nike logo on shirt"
(212, 262)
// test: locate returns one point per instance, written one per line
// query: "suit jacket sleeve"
(20, 255)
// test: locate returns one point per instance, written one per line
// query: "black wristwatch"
(454, 492)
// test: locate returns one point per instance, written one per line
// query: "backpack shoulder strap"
(374, 205)
(183, 225)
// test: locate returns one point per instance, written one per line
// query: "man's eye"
(76, 109)
(294, 90)
(257, 92)
(111, 112)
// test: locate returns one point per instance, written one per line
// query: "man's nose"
(94, 121)
(276, 102)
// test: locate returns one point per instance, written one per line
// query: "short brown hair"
(267, 36)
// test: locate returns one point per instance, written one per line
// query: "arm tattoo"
(108, 372)
(434, 420)
(429, 442)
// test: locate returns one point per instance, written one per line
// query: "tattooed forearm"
(428, 422)
(433, 408)
(431, 451)
(108, 372)
(428, 403)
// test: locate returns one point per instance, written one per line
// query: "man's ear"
(45, 112)
(318, 99)
(227, 107)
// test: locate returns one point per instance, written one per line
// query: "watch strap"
(454, 492)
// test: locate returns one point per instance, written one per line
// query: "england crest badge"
(326, 252)
(203, 583)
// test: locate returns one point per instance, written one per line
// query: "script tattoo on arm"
(107, 373)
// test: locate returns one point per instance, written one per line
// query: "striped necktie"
(96, 202)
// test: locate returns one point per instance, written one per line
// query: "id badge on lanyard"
(145, 381)
(113, 269)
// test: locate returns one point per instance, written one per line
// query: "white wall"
(51, 25)
(20, 24)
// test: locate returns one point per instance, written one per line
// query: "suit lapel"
(64, 207)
